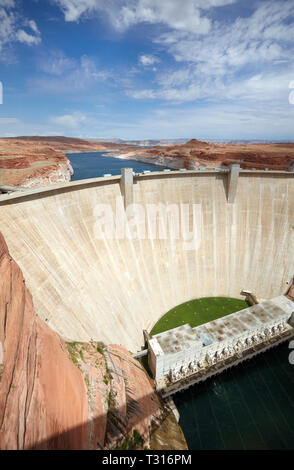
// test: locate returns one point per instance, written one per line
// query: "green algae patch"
(199, 311)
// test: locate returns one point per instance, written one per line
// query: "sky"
(147, 69)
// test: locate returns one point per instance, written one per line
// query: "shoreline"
(167, 162)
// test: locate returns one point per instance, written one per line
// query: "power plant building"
(184, 351)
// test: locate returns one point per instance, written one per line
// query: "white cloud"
(7, 26)
(174, 14)
(259, 37)
(179, 15)
(143, 94)
(33, 25)
(7, 3)
(73, 120)
(66, 75)
(147, 60)
(57, 63)
(218, 65)
(15, 28)
(26, 38)
(74, 9)
(263, 87)
(215, 121)
(249, 58)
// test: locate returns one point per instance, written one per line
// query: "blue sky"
(138, 69)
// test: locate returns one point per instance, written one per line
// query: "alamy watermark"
(149, 222)
(1, 93)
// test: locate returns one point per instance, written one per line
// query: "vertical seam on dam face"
(233, 176)
(126, 185)
(110, 290)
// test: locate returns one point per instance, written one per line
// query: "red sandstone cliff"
(55, 395)
(32, 164)
(42, 395)
(195, 154)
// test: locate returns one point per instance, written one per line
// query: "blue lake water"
(92, 165)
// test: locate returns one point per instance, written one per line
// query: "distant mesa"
(196, 142)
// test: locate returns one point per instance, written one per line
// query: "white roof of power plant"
(178, 339)
(252, 318)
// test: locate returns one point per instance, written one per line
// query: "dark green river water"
(251, 406)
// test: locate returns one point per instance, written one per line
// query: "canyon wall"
(57, 395)
(42, 393)
(88, 287)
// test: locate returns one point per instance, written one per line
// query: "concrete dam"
(109, 290)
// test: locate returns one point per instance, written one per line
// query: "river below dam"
(250, 406)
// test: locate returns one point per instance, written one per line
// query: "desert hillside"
(195, 154)
(38, 161)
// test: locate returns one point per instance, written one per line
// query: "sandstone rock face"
(60, 173)
(168, 436)
(133, 399)
(195, 154)
(43, 400)
(57, 395)
(32, 164)
(122, 402)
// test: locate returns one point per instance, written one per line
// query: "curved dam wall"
(110, 290)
